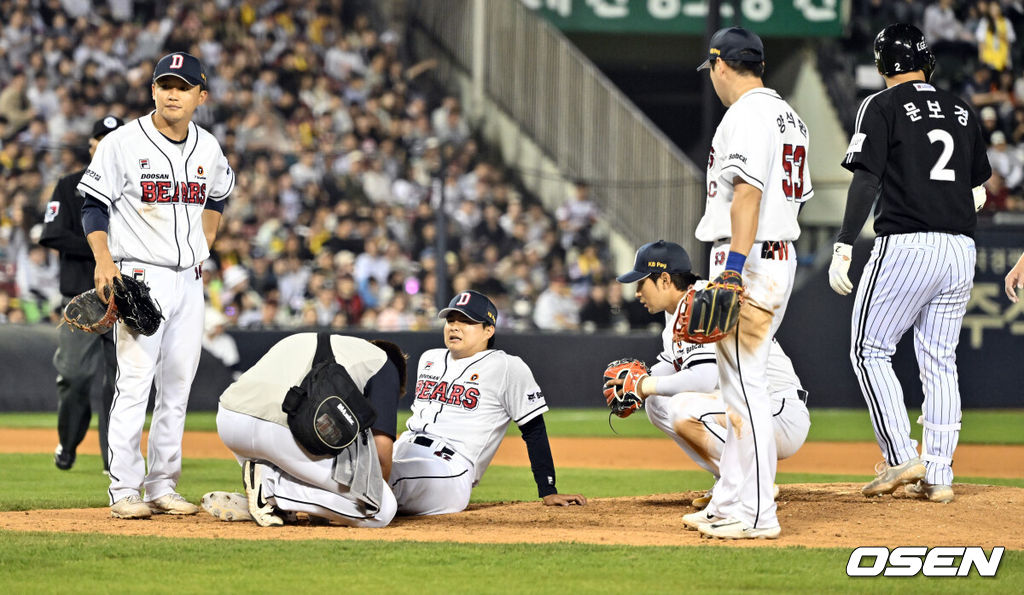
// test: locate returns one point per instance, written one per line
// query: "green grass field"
(43, 562)
(980, 426)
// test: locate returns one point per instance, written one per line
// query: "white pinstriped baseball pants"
(922, 280)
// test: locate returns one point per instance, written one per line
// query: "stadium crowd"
(341, 145)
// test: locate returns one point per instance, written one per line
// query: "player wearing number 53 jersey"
(466, 395)
(155, 190)
(756, 179)
(919, 150)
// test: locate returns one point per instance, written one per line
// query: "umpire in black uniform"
(83, 360)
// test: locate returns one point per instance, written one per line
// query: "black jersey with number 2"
(926, 147)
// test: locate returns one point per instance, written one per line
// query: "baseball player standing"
(81, 359)
(757, 177)
(680, 394)
(465, 397)
(155, 191)
(920, 151)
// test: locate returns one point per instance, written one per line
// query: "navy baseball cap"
(104, 126)
(184, 66)
(656, 258)
(473, 304)
(734, 44)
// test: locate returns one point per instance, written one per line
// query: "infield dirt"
(812, 515)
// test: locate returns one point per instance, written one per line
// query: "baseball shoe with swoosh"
(696, 520)
(936, 493)
(262, 511)
(736, 529)
(890, 478)
(227, 506)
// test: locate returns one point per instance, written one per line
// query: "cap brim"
(192, 83)
(632, 277)
(443, 313)
(705, 65)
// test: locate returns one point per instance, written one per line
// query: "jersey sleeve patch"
(856, 143)
(52, 208)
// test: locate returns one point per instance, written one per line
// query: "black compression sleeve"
(535, 435)
(95, 216)
(861, 195)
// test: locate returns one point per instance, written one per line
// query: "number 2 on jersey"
(939, 170)
(793, 159)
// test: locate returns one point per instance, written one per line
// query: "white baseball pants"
(745, 490)
(705, 413)
(429, 477)
(169, 358)
(295, 480)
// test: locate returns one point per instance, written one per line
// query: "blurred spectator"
(1006, 162)
(995, 37)
(596, 313)
(220, 344)
(556, 310)
(981, 90)
(576, 216)
(943, 29)
(14, 103)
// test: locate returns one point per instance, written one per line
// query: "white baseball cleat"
(890, 478)
(130, 507)
(775, 491)
(936, 493)
(172, 503)
(736, 529)
(227, 506)
(696, 520)
(262, 511)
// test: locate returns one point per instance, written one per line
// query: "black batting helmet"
(902, 48)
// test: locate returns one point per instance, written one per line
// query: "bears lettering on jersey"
(185, 192)
(455, 394)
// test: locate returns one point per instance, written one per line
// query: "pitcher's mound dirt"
(812, 515)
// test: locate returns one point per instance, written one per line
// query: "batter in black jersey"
(919, 152)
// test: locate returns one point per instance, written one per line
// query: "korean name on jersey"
(762, 140)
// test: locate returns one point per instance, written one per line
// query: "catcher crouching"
(680, 391)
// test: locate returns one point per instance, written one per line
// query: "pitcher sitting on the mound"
(466, 395)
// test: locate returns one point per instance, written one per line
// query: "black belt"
(444, 452)
(802, 395)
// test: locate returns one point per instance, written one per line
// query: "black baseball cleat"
(63, 460)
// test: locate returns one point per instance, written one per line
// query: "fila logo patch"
(143, 163)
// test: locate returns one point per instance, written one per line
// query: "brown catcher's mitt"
(710, 313)
(87, 312)
(623, 398)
